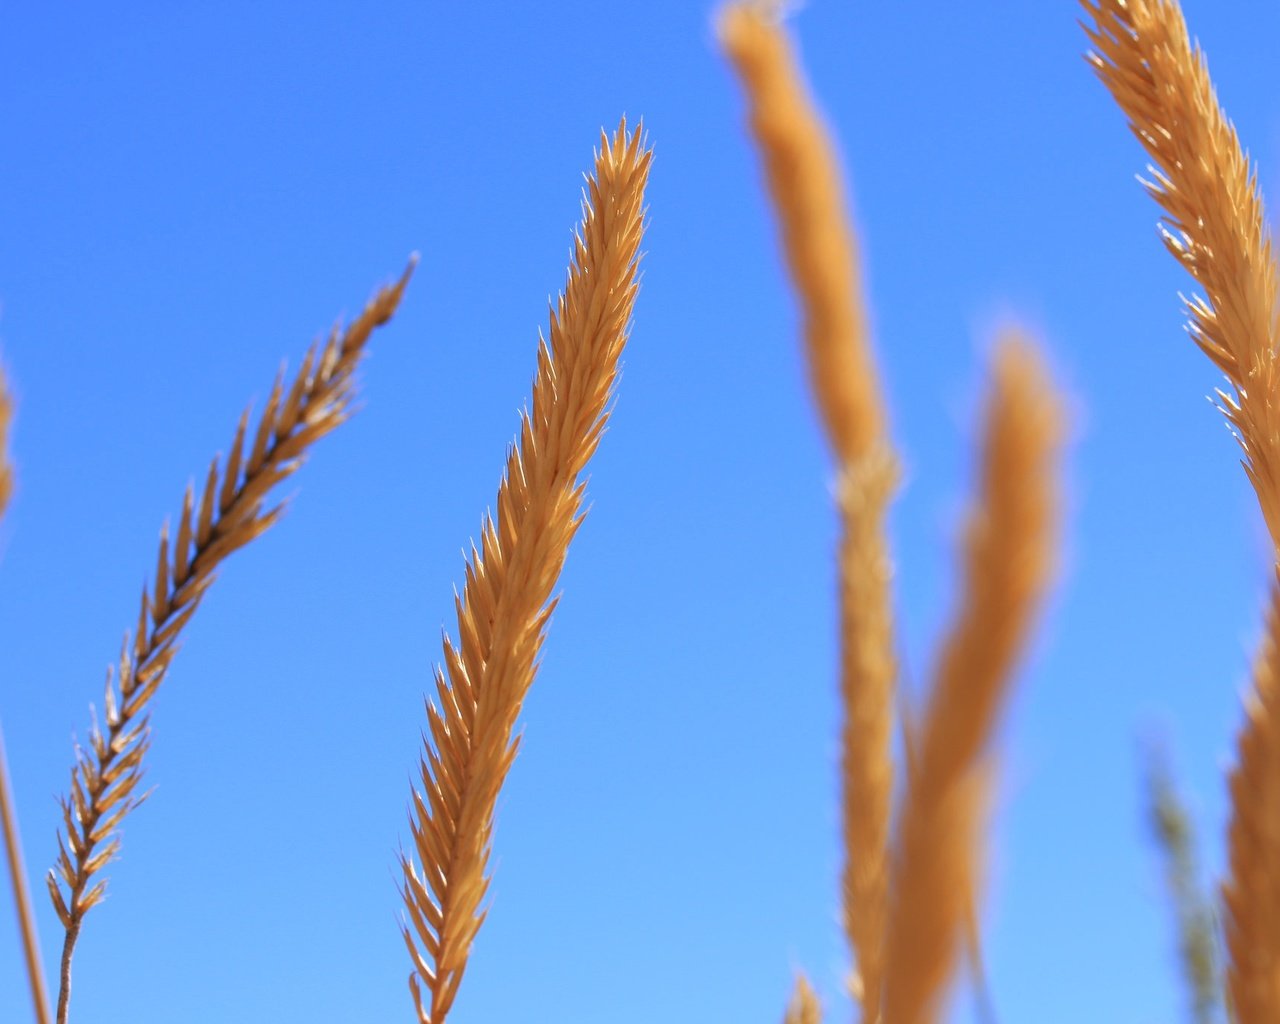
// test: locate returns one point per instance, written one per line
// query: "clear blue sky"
(192, 192)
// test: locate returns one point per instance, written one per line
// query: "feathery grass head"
(506, 600)
(1008, 558)
(804, 181)
(230, 512)
(1214, 225)
(821, 252)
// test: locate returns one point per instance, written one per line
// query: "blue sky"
(192, 192)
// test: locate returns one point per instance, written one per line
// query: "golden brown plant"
(905, 936)
(804, 1007)
(821, 252)
(1251, 894)
(8, 812)
(229, 514)
(1008, 560)
(1218, 232)
(507, 598)
(1214, 213)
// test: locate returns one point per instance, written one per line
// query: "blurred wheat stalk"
(507, 600)
(1215, 226)
(230, 513)
(8, 810)
(907, 903)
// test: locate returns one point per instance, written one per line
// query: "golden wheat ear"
(822, 257)
(1215, 222)
(506, 600)
(229, 513)
(1008, 557)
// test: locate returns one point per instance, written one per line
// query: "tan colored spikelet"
(1007, 565)
(229, 514)
(821, 251)
(507, 597)
(804, 183)
(804, 1007)
(1216, 225)
(1251, 894)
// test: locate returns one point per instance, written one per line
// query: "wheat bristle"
(821, 252)
(1215, 224)
(105, 777)
(506, 600)
(1007, 562)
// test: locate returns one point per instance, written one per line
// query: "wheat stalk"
(507, 598)
(229, 514)
(8, 810)
(1216, 225)
(1007, 562)
(1172, 829)
(1251, 894)
(821, 252)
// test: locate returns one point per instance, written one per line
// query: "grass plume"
(1216, 228)
(507, 600)
(1214, 224)
(1008, 559)
(230, 512)
(822, 256)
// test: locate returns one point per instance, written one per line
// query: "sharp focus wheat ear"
(1216, 226)
(230, 513)
(821, 251)
(804, 1007)
(1217, 230)
(1251, 894)
(507, 598)
(1007, 563)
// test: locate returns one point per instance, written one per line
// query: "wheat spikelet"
(804, 1007)
(228, 515)
(1216, 225)
(1007, 561)
(822, 255)
(1251, 894)
(507, 598)
(804, 183)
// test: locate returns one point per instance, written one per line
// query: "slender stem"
(64, 972)
(21, 895)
